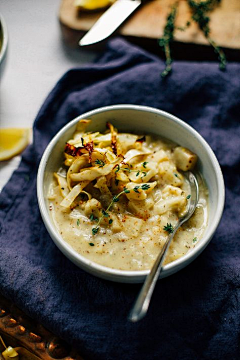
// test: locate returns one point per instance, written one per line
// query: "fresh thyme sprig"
(183, 28)
(168, 228)
(144, 173)
(199, 11)
(105, 212)
(101, 163)
(116, 199)
(93, 218)
(143, 187)
(167, 38)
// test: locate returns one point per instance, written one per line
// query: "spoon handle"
(141, 305)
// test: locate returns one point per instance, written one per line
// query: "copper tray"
(33, 341)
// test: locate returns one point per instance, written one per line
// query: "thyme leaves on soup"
(127, 169)
(105, 213)
(168, 228)
(93, 218)
(100, 163)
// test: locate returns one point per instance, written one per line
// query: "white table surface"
(37, 57)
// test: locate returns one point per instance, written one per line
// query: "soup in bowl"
(113, 183)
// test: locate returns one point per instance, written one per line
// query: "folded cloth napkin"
(194, 314)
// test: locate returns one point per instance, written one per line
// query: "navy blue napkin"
(194, 314)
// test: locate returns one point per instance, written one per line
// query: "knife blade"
(110, 21)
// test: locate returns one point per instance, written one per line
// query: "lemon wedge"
(13, 141)
(10, 354)
(90, 5)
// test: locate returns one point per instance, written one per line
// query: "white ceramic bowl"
(3, 44)
(138, 119)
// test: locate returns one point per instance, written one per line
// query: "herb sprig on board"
(199, 15)
(200, 11)
(167, 38)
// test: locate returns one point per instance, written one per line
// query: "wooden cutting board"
(148, 22)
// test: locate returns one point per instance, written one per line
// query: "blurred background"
(36, 58)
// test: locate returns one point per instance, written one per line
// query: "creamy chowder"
(118, 196)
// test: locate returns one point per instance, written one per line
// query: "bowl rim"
(3, 48)
(115, 273)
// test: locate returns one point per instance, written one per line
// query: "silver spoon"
(141, 305)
